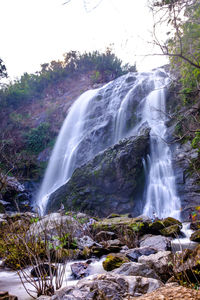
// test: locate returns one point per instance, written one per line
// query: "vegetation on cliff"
(182, 47)
(30, 104)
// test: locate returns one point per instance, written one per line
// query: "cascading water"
(160, 194)
(100, 118)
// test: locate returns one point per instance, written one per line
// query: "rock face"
(187, 185)
(112, 181)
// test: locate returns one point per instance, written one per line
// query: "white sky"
(38, 31)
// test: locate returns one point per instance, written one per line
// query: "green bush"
(37, 139)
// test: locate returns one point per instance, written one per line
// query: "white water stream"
(9, 280)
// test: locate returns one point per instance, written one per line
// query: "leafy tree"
(31, 86)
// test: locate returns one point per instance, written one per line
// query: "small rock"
(79, 270)
(85, 241)
(134, 254)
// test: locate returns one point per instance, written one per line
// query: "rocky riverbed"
(118, 257)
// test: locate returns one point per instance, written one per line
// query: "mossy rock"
(113, 216)
(171, 221)
(172, 230)
(120, 224)
(138, 227)
(195, 225)
(114, 261)
(195, 237)
(156, 226)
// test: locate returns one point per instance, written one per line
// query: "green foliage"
(106, 66)
(38, 138)
(196, 141)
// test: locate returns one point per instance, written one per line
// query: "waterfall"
(62, 160)
(100, 118)
(160, 194)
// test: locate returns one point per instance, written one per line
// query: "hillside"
(34, 107)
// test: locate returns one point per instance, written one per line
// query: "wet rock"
(195, 237)
(171, 221)
(113, 178)
(156, 226)
(114, 261)
(159, 262)
(136, 269)
(173, 230)
(158, 242)
(134, 254)
(79, 270)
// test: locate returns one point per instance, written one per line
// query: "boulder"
(158, 242)
(195, 237)
(159, 262)
(79, 270)
(114, 261)
(171, 221)
(134, 254)
(55, 225)
(121, 225)
(111, 181)
(109, 287)
(155, 226)
(136, 269)
(173, 230)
